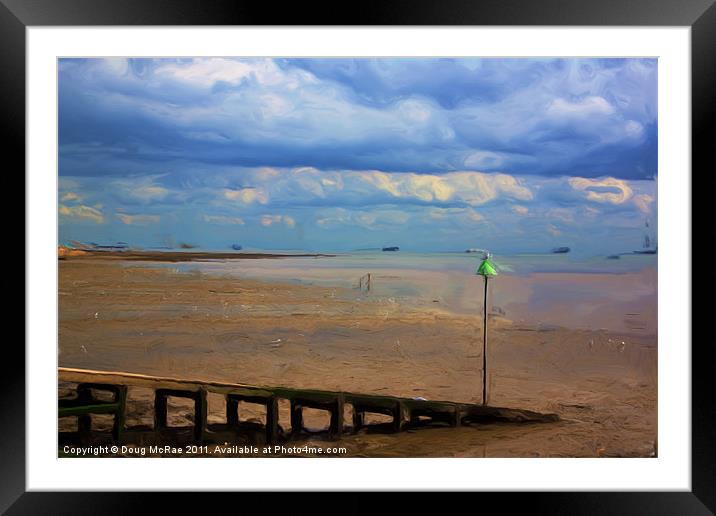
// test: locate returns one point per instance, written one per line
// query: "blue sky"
(338, 154)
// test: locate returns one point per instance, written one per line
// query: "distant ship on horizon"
(646, 246)
(118, 246)
(561, 250)
(392, 248)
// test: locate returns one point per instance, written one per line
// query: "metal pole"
(484, 349)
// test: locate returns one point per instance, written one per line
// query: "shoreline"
(180, 256)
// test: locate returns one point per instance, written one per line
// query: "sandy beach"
(118, 315)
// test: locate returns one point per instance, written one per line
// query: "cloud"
(247, 195)
(473, 188)
(485, 160)
(207, 72)
(379, 219)
(356, 209)
(270, 220)
(606, 190)
(334, 217)
(71, 196)
(560, 214)
(518, 116)
(644, 202)
(308, 186)
(82, 212)
(149, 192)
(223, 219)
(349, 150)
(455, 215)
(554, 230)
(373, 220)
(138, 220)
(138, 189)
(587, 107)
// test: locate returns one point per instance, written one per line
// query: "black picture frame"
(700, 15)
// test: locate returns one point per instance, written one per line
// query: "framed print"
(446, 248)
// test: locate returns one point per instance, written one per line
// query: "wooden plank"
(84, 409)
(156, 382)
(252, 392)
(485, 414)
(386, 402)
(143, 380)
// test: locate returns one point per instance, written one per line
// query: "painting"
(357, 257)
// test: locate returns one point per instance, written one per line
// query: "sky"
(512, 155)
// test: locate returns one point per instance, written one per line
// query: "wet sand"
(212, 327)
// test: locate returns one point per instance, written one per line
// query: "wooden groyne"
(405, 413)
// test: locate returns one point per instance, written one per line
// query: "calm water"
(464, 262)
(558, 289)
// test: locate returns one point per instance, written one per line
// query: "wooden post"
(200, 413)
(296, 417)
(336, 425)
(84, 422)
(358, 418)
(397, 417)
(121, 414)
(160, 411)
(232, 411)
(484, 349)
(485, 269)
(272, 420)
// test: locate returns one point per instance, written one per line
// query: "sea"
(566, 289)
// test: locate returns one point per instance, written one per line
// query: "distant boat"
(393, 248)
(187, 246)
(613, 257)
(561, 250)
(236, 247)
(100, 247)
(646, 246)
(473, 250)
(111, 247)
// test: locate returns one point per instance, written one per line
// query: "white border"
(672, 470)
